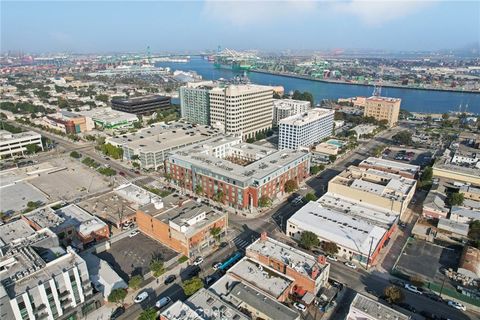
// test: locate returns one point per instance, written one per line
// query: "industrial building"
(107, 118)
(144, 105)
(15, 144)
(39, 279)
(383, 108)
(306, 129)
(333, 217)
(284, 108)
(152, 144)
(184, 227)
(235, 173)
(243, 110)
(66, 122)
(195, 102)
(374, 187)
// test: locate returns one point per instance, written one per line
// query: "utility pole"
(369, 252)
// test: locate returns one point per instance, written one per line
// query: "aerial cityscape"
(240, 160)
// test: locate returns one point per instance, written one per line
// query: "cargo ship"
(233, 64)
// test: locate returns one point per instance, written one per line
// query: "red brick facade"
(184, 178)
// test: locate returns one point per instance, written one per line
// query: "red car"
(122, 173)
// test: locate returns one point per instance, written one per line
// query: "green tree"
(32, 148)
(445, 116)
(157, 267)
(102, 98)
(75, 154)
(264, 201)
(308, 240)
(456, 198)
(393, 294)
(134, 157)
(219, 196)
(290, 185)
(192, 285)
(330, 248)
(198, 189)
(315, 169)
(310, 197)
(403, 137)
(117, 295)
(427, 174)
(215, 232)
(474, 233)
(148, 314)
(135, 282)
(332, 158)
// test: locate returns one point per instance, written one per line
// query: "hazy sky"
(95, 26)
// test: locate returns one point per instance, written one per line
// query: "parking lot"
(412, 156)
(132, 256)
(425, 259)
(72, 179)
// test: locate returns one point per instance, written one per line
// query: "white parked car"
(217, 265)
(332, 258)
(456, 305)
(141, 297)
(413, 289)
(198, 261)
(351, 265)
(300, 307)
(133, 233)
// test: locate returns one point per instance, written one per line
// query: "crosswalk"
(240, 243)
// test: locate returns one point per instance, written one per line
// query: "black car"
(170, 279)
(408, 307)
(223, 244)
(194, 271)
(372, 292)
(434, 296)
(117, 313)
(397, 282)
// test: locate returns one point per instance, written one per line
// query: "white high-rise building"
(284, 108)
(306, 129)
(242, 109)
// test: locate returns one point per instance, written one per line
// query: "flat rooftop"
(453, 226)
(233, 89)
(180, 311)
(142, 99)
(76, 217)
(136, 195)
(160, 137)
(108, 115)
(34, 261)
(338, 227)
(237, 292)
(374, 309)
(375, 215)
(109, 207)
(186, 215)
(44, 218)
(387, 99)
(6, 136)
(15, 231)
(307, 117)
(207, 300)
(469, 213)
(271, 159)
(266, 279)
(390, 165)
(297, 259)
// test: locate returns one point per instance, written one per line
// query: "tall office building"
(242, 109)
(306, 129)
(195, 102)
(144, 105)
(284, 108)
(382, 108)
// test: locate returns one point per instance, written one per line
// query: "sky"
(170, 26)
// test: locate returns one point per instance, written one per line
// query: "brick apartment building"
(235, 173)
(185, 228)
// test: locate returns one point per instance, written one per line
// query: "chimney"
(315, 272)
(321, 259)
(263, 236)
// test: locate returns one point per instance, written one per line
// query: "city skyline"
(116, 26)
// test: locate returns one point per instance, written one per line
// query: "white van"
(162, 302)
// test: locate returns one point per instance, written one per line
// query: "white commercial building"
(359, 230)
(107, 118)
(306, 129)
(12, 144)
(242, 109)
(284, 108)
